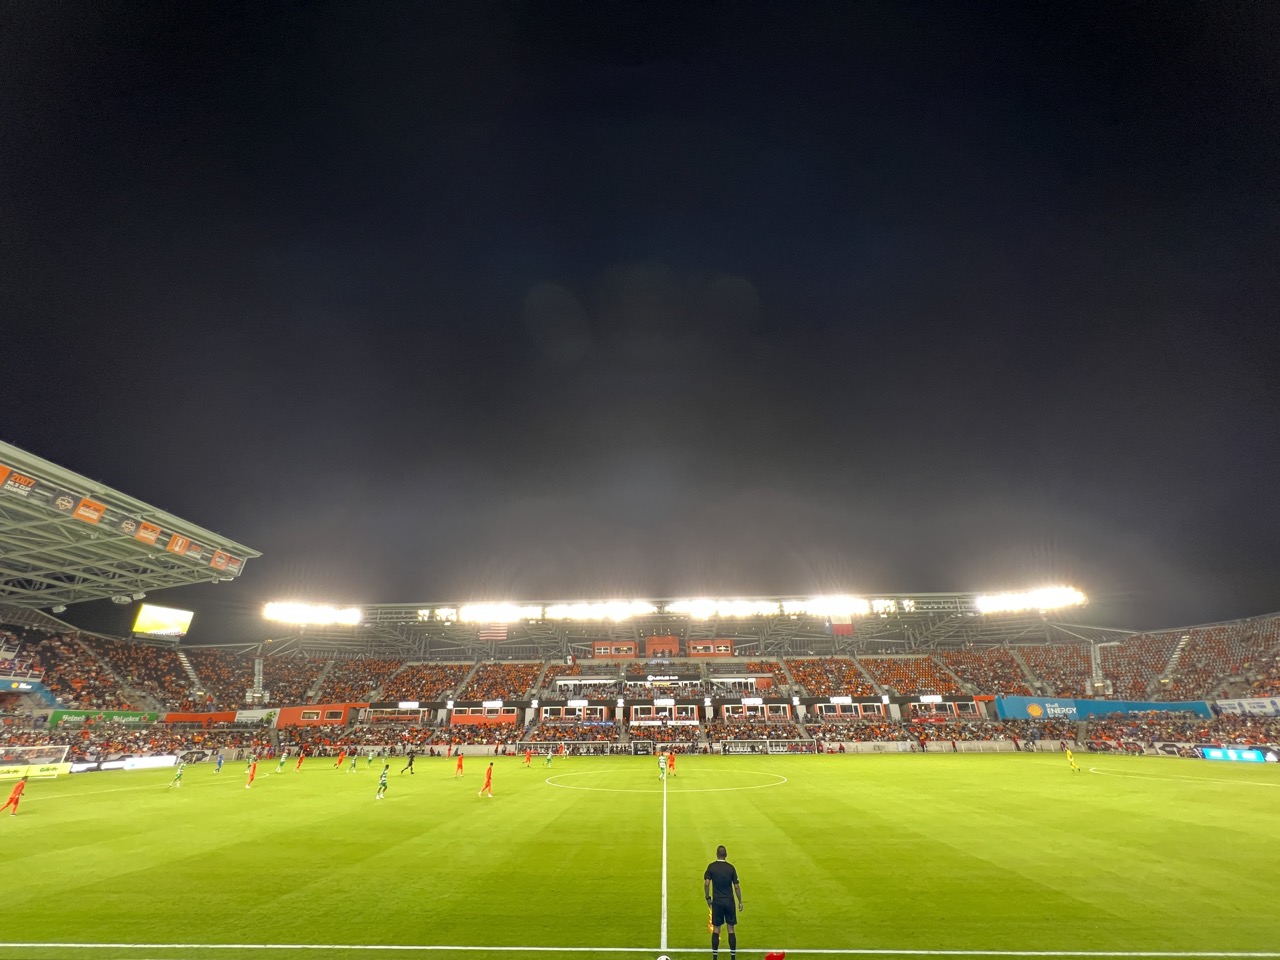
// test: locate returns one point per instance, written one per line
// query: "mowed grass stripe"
(906, 852)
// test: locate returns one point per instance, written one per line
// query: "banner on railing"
(1252, 706)
(1065, 708)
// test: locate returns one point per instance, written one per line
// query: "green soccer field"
(837, 855)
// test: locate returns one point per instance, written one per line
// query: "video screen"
(154, 621)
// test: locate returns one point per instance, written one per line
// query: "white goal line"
(839, 952)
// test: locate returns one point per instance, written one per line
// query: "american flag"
(494, 631)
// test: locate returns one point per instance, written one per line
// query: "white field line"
(662, 926)
(855, 952)
(1156, 776)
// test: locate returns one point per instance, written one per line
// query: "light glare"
(305, 614)
(1046, 598)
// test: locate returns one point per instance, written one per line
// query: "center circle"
(775, 780)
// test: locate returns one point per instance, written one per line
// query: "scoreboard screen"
(154, 621)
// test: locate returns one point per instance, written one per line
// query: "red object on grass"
(780, 955)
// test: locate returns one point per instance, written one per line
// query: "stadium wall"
(1065, 708)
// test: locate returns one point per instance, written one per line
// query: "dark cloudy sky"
(540, 300)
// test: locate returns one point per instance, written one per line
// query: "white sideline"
(662, 926)
(858, 952)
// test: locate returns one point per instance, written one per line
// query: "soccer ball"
(664, 957)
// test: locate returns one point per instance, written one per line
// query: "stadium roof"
(65, 539)
(900, 623)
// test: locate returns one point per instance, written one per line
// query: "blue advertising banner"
(1065, 708)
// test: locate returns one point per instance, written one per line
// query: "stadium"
(895, 775)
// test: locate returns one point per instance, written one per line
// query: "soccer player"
(409, 765)
(382, 782)
(547, 762)
(488, 782)
(177, 776)
(302, 755)
(671, 763)
(342, 757)
(563, 749)
(1071, 759)
(253, 771)
(218, 768)
(662, 765)
(355, 758)
(14, 796)
(719, 885)
(280, 766)
(457, 767)
(528, 757)
(369, 757)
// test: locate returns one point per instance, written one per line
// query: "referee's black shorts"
(722, 913)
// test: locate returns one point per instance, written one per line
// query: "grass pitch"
(860, 854)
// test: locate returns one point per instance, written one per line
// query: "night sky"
(528, 300)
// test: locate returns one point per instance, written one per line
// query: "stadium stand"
(426, 682)
(1134, 666)
(990, 670)
(73, 675)
(761, 729)
(1065, 668)
(1189, 728)
(355, 679)
(227, 675)
(1214, 653)
(153, 670)
(908, 676)
(501, 681)
(827, 676)
(556, 732)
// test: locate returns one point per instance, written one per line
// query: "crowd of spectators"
(761, 729)
(226, 675)
(108, 740)
(426, 682)
(1215, 653)
(76, 678)
(990, 670)
(501, 681)
(827, 676)
(151, 669)
(684, 733)
(1172, 727)
(1065, 667)
(355, 680)
(908, 676)
(1134, 665)
(553, 732)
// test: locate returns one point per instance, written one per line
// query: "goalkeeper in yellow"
(1071, 759)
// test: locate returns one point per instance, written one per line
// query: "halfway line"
(662, 926)
(860, 952)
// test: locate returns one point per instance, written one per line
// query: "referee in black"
(719, 885)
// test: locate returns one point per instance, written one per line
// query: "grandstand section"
(65, 539)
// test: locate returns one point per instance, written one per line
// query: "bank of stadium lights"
(708, 609)
(312, 614)
(1046, 598)
(603, 610)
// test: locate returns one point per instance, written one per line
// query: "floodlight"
(705, 608)
(498, 612)
(317, 614)
(1046, 598)
(600, 610)
(829, 606)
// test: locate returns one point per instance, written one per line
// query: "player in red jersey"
(253, 772)
(528, 757)
(457, 770)
(302, 755)
(14, 796)
(342, 756)
(488, 782)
